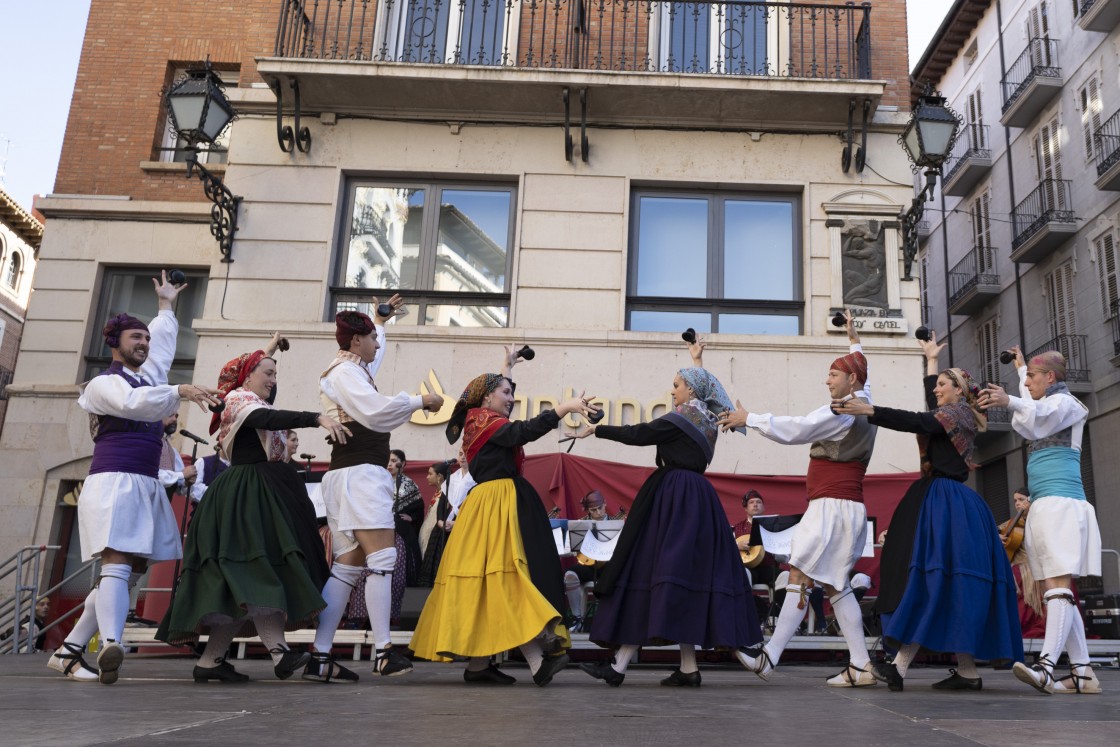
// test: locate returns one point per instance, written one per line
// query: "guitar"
(1011, 533)
(554, 513)
(752, 556)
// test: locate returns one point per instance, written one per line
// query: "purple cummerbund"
(123, 445)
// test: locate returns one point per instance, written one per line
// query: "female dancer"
(945, 580)
(253, 553)
(439, 475)
(676, 574)
(499, 584)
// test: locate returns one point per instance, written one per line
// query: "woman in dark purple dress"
(676, 575)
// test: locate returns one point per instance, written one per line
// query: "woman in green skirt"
(253, 557)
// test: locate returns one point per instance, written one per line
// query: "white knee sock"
(87, 622)
(112, 600)
(966, 666)
(623, 656)
(1059, 608)
(904, 656)
(221, 636)
(850, 619)
(688, 658)
(533, 654)
(573, 590)
(789, 619)
(270, 629)
(1076, 645)
(336, 593)
(379, 594)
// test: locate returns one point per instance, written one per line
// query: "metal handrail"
(1050, 202)
(1106, 143)
(974, 144)
(27, 555)
(976, 268)
(90, 565)
(1038, 60)
(1073, 347)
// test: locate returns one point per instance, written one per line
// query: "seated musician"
(1027, 592)
(579, 581)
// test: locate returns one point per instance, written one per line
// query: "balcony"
(727, 63)
(1114, 308)
(999, 418)
(1043, 221)
(1031, 83)
(969, 162)
(973, 282)
(925, 230)
(1077, 360)
(1099, 15)
(1106, 143)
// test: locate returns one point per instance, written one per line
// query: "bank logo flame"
(432, 386)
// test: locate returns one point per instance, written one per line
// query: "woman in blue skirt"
(676, 575)
(945, 583)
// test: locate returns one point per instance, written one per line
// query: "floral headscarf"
(706, 388)
(471, 398)
(239, 403)
(962, 420)
(233, 375)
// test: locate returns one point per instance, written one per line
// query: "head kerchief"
(706, 388)
(350, 323)
(118, 324)
(233, 375)
(471, 398)
(962, 420)
(1051, 360)
(852, 363)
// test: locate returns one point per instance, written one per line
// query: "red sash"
(829, 479)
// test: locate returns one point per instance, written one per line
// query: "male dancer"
(358, 491)
(123, 513)
(1061, 537)
(831, 535)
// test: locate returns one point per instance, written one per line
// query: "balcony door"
(1059, 289)
(1038, 35)
(450, 32)
(721, 38)
(1048, 160)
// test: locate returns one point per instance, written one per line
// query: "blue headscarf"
(698, 416)
(706, 388)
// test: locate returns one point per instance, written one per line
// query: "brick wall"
(116, 115)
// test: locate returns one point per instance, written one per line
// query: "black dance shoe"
(956, 682)
(887, 672)
(323, 668)
(680, 679)
(602, 670)
(548, 669)
(290, 662)
(223, 671)
(489, 676)
(388, 663)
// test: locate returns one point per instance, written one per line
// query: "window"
(1048, 162)
(970, 55)
(923, 290)
(974, 111)
(174, 148)
(447, 247)
(1059, 293)
(1089, 100)
(15, 269)
(713, 38)
(1038, 35)
(129, 289)
(982, 233)
(461, 32)
(1105, 246)
(987, 338)
(717, 262)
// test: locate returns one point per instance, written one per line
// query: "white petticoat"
(1062, 538)
(358, 497)
(829, 540)
(128, 513)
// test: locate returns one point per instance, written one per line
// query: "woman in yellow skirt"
(499, 585)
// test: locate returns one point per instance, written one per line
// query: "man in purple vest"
(123, 513)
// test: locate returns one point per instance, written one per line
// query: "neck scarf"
(962, 420)
(407, 492)
(471, 399)
(481, 424)
(1058, 387)
(695, 419)
(239, 403)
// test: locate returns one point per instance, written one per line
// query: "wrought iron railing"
(977, 268)
(1114, 309)
(1073, 347)
(1084, 7)
(6, 375)
(973, 144)
(1106, 143)
(1049, 202)
(1039, 59)
(722, 37)
(998, 415)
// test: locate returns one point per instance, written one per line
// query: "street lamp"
(199, 112)
(928, 140)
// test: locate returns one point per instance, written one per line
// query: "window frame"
(13, 270)
(714, 303)
(424, 294)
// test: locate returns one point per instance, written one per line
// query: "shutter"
(1106, 271)
(1060, 282)
(989, 351)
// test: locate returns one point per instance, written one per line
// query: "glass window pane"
(670, 321)
(759, 324)
(384, 247)
(673, 247)
(473, 244)
(370, 309)
(455, 315)
(758, 259)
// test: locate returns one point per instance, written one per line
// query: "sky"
(41, 42)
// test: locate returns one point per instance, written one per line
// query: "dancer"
(1061, 537)
(123, 514)
(831, 535)
(439, 476)
(499, 584)
(358, 491)
(253, 554)
(675, 576)
(956, 594)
